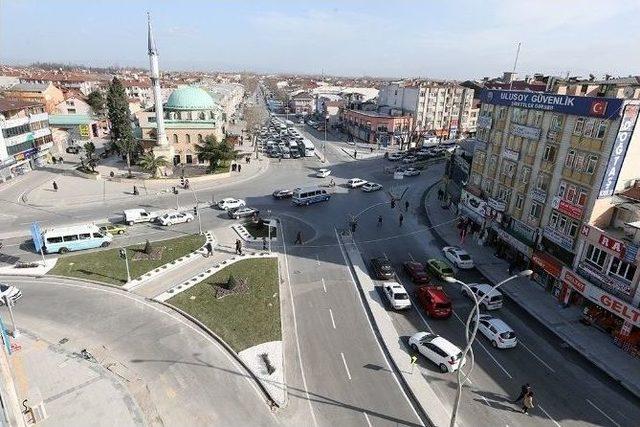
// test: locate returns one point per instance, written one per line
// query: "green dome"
(190, 98)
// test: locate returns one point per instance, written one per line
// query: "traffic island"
(240, 305)
(108, 267)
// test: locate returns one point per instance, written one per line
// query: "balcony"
(615, 287)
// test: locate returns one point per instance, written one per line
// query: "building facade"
(73, 104)
(41, 93)
(375, 127)
(302, 103)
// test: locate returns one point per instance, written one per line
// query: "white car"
(411, 172)
(458, 257)
(499, 333)
(11, 292)
(396, 295)
(409, 159)
(492, 297)
(356, 182)
(171, 218)
(395, 156)
(371, 186)
(438, 350)
(323, 173)
(231, 203)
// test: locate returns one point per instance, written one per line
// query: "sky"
(429, 38)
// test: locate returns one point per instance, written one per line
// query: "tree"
(151, 163)
(96, 102)
(215, 152)
(119, 116)
(90, 149)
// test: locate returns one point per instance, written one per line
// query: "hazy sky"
(435, 38)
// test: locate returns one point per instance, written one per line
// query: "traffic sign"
(36, 236)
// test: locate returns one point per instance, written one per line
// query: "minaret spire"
(161, 136)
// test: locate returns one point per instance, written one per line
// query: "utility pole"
(123, 255)
(515, 63)
(269, 216)
(196, 212)
(15, 332)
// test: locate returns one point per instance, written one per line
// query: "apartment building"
(375, 127)
(444, 109)
(25, 137)
(42, 93)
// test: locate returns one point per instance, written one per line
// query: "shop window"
(602, 129)
(622, 270)
(571, 157)
(577, 130)
(595, 257)
(536, 210)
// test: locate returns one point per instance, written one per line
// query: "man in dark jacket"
(526, 388)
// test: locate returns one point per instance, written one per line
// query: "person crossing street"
(400, 219)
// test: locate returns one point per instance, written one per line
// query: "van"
(492, 298)
(74, 238)
(434, 301)
(132, 216)
(309, 195)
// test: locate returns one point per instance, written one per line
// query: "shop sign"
(525, 131)
(560, 239)
(83, 130)
(602, 298)
(522, 229)
(512, 241)
(547, 263)
(474, 203)
(630, 253)
(484, 122)
(567, 208)
(467, 211)
(497, 205)
(585, 230)
(510, 155)
(619, 150)
(612, 244)
(538, 195)
(605, 281)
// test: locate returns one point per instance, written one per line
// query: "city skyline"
(354, 39)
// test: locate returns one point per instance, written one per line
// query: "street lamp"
(475, 311)
(269, 227)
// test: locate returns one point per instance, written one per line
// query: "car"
(73, 149)
(439, 268)
(434, 301)
(491, 298)
(112, 228)
(417, 272)
(394, 157)
(11, 292)
(356, 182)
(231, 203)
(396, 295)
(323, 173)
(411, 172)
(242, 212)
(132, 216)
(438, 350)
(282, 194)
(382, 268)
(295, 154)
(497, 331)
(171, 218)
(409, 159)
(458, 257)
(371, 186)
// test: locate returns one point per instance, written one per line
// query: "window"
(189, 159)
(536, 210)
(582, 198)
(601, 130)
(588, 128)
(84, 236)
(622, 270)
(542, 182)
(524, 175)
(519, 201)
(596, 257)
(553, 220)
(577, 130)
(562, 223)
(592, 162)
(503, 194)
(508, 169)
(537, 118)
(580, 162)
(556, 122)
(70, 238)
(54, 240)
(571, 156)
(200, 138)
(571, 193)
(549, 153)
(175, 138)
(188, 139)
(502, 113)
(573, 228)
(492, 162)
(561, 188)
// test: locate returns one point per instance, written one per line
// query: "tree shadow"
(95, 273)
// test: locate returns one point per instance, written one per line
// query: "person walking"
(239, 167)
(380, 221)
(440, 193)
(527, 402)
(400, 219)
(238, 247)
(55, 186)
(209, 247)
(526, 388)
(406, 206)
(298, 238)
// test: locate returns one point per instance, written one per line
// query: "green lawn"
(255, 231)
(106, 265)
(243, 319)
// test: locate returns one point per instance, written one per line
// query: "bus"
(308, 147)
(74, 238)
(308, 195)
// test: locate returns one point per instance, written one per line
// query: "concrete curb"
(246, 236)
(633, 388)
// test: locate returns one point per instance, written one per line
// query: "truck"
(132, 216)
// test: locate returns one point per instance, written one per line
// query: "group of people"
(236, 167)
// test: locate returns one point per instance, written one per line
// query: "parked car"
(458, 257)
(417, 272)
(73, 149)
(323, 173)
(438, 350)
(492, 297)
(382, 268)
(439, 268)
(231, 203)
(499, 333)
(434, 301)
(171, 218)
(282, 194)
(11, 292)
(112, 228)
(394, 157)
(132, 216)
(356, 182)
(371, 186)
(411, 172)
(242, 212)
(409, 159)
(396, 295)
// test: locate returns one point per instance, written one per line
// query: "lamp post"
(475, 312)
(269, 227)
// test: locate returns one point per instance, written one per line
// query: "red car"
(417, 272)
(434, 301)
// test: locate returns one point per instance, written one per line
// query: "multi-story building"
(444, 109)
(376, 127)
(302, 103)
(620, 87)
(41, 93)
(25, 137)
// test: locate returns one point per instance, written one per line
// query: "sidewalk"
(594, 345)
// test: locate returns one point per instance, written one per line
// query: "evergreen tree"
(96, 102)
(119, 116)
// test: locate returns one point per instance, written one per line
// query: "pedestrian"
(406, 206)
(440, 193)
(371, 149)
(298, 238)
(280, 159)
(60, 160)
(527, 402)
(55, 160)
(238, 247)
(247, 159)
(355, 154)
(135, 191)
(379, 221)
(400, 219)
(526, 388)
(55, 186)
(209, 247)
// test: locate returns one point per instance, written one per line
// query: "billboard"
(619, 150)
(574, 105)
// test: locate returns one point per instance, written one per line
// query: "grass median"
(258, 231)
(107, 266)
(244, 318)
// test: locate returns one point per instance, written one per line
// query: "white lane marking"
(375, 338)
(324, 287)
(366, 417)
(333, 322)
(485, 349)
(411, 256)
(295, 328)
(536, 356)
(317, 260)
(549, 416)
(486, 401)
(345, 365)
(603, 413)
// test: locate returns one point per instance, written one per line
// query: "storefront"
(546, 272)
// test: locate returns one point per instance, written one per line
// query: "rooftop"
(70, 119)
(29, 87)
(11, 104)
(190, 98)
